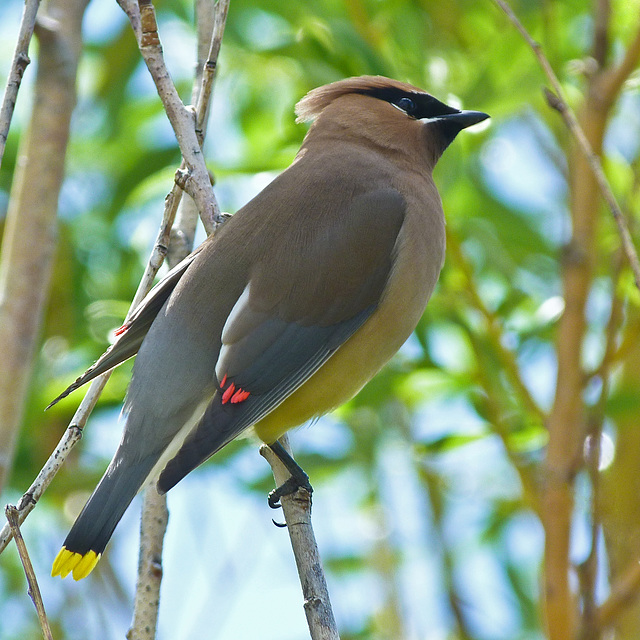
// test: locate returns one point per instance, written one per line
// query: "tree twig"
(18, 65)
(297, 513)
(557, 101)
(30, 498)
(623, 594)
(196, 181)
(211, 22)
(495, 333)
(211, 67)
(34, 590)
(588, 570)
(613, 78)
(601, 31)
(153, 525)
(155, 515)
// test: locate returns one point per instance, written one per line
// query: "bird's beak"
(463, 119)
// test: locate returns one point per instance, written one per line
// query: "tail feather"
(94, 526)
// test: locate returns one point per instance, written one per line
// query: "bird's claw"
(291, 485)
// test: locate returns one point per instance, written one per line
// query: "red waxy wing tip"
(233, 394)
(122, 329)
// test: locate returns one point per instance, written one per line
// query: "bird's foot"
(288, 487)
(298, 480)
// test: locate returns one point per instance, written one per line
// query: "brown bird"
(290, 307)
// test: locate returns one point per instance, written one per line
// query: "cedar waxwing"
(290, 307)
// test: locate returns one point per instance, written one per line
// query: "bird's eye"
(407, 105)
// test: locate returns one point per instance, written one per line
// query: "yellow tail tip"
(80, 566)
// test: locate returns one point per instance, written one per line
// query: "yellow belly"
(337, 381)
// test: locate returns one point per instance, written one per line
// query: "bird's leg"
(299, 479)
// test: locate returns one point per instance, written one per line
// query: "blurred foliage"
(440, 455)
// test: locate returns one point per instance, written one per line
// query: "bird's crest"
(315, 101)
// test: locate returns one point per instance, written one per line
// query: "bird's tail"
(94, 526)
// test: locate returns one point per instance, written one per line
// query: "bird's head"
(391, 114)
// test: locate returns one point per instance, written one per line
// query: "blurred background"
(512, 409)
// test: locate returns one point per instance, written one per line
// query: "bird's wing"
(296, 311)
(132, 333)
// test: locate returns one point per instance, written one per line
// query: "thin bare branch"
(612, 79)
(211, 66)
(130, 7)
(623, 594)
(71, 437)
(602, 13)
(588, 570)
(18, 65)
(628, 247)
(155, 515)
(558, 102)
(182, 118)
(495, 333)
(34, 590)
(297, 513)
(205, 14)
(29, 500)
(153, 525)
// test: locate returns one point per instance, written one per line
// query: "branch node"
(76, 431)
(162, 249)
(27, 498)
(314, 603)
(182, 178)
(22, 61)
(553, 100)
(156, 568)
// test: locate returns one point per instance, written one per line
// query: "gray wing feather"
(271, 346)
(306, 348)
